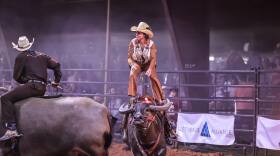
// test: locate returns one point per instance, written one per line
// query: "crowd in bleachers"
(84, 78)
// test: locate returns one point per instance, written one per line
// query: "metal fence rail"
(263, 99)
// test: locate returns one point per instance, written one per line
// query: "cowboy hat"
(144, 28)
(23, 44)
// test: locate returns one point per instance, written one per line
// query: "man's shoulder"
(39, 53)
(21, 55)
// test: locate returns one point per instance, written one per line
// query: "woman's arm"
(153, 56)
(130, 52)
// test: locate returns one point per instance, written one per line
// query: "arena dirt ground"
(117, 149)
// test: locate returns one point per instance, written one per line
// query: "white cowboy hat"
(144, 28)
(23, 44)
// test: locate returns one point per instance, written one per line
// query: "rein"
(150, 150)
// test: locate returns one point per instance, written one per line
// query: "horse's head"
(145, 128)
(145, 110)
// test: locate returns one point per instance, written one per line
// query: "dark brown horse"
(64, 126)
(146, 128)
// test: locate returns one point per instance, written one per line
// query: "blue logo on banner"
(205, 131)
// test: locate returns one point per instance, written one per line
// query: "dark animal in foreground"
(65, 126)
(146, 128)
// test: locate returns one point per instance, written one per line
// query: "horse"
(63, 126)
(146, 127)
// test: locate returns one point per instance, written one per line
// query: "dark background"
(74, 31)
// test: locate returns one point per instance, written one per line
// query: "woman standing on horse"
(142, 57)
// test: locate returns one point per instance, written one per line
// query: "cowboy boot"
(11, 132)
(132, 100)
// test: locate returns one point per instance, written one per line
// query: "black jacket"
(31, 65)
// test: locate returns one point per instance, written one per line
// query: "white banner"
(205, 128)
(268, 133)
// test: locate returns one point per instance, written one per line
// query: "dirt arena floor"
(117, 149)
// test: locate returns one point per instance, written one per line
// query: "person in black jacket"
(30, 70)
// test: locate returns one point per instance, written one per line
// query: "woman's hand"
(148, 72)
(133, 67)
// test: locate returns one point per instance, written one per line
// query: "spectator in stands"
(244, 93)
(244, 108)
(276, 51)
(235, 61)
(253, 56)
(174, 108)
(165, 90)
(265, 77)
(265, 63)
(98, 98)
(275, 77)
(114, 102)
(70, 85)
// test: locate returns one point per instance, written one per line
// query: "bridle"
(141, 123)
(150, 120)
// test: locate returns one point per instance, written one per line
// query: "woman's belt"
(142, 64)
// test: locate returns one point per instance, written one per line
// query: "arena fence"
(243, 94)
